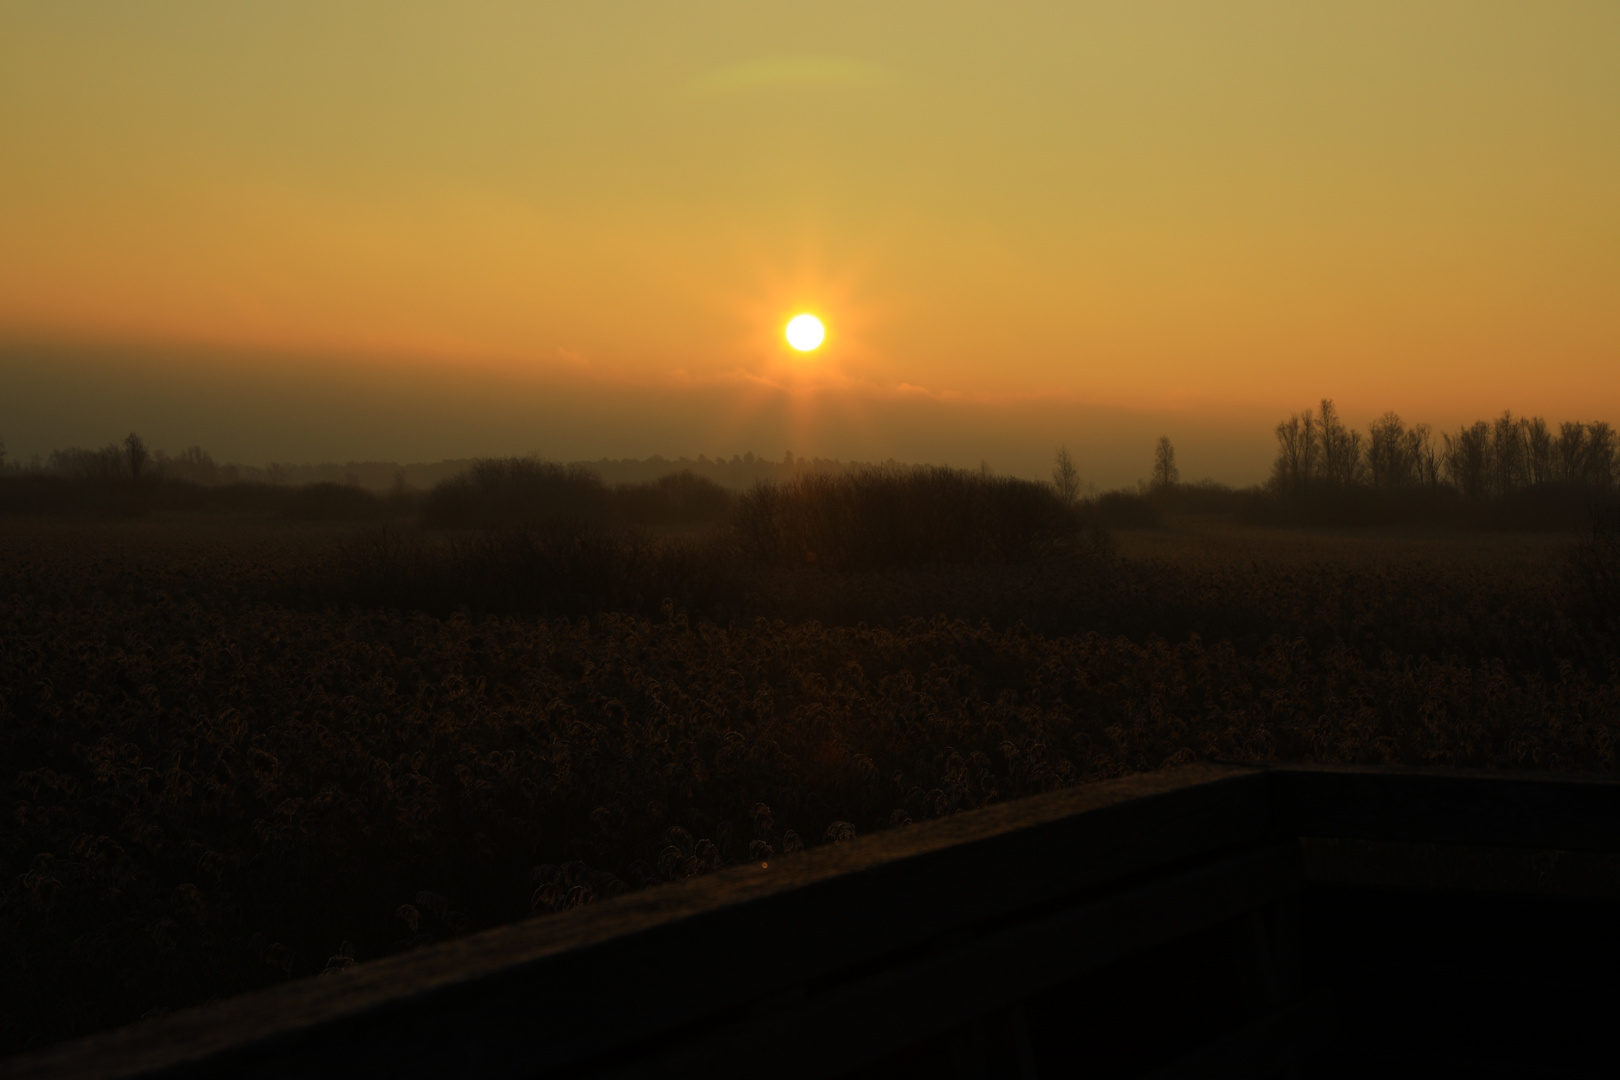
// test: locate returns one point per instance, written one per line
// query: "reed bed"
(228, 763)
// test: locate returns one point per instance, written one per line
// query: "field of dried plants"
(230, 758)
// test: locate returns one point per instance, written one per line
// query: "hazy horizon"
(260, 409)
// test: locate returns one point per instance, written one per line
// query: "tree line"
(1316, 451)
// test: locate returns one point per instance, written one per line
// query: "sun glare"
(804, 332)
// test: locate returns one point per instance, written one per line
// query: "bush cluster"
(539, 553)
(892, 517)
(491, 494)
(504, 493)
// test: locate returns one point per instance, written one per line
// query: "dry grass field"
(225, 763)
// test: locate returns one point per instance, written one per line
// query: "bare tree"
(194, 464)
(1585, 454)
(1398, 456)
(1065, 477)
(1508, 454)
(137, 455)
(1468, 460)
(1165, 473)
(1341, 448)
(1387, 462)
(1569, 452)
(1428, 459)
(1602, 446)
(1538, 449)
(1298, 452)
(105, 465)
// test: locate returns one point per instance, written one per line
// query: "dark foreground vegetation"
(243, 749)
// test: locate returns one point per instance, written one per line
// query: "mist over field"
(257, 410)
(260, 409)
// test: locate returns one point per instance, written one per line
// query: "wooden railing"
(1156, 924)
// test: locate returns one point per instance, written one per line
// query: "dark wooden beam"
(1272, 1046)
(544, 994)
(1451, 806)
(920, 995)
(952, 918)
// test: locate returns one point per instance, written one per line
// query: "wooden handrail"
(1571, 812)
(711, 975)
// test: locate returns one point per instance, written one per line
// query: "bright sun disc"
(804, 332)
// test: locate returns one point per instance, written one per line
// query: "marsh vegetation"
(246, 747)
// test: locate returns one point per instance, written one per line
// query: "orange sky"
(1022, 224)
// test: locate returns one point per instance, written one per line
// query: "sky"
(405, 231)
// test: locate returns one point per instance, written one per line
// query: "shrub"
(516, 492)
(332, 502)
(895, 517)
(1126, 510)
(524, 494)
(677, 499)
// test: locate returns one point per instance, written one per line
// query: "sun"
(805, 332)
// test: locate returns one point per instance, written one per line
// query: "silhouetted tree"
(1468, 460)
(104, 465)
(1341, 448)
(1509, 455)
(137, 455)
(1165, 473)
(1601, 449)
(1298, 452)
(1538, 447)
(194, 464)
(1388, 464)
(1398, 456)
(1315, 447)
(1065, 477)
(1428, 458)
(1584, 455)
(1569, 452)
